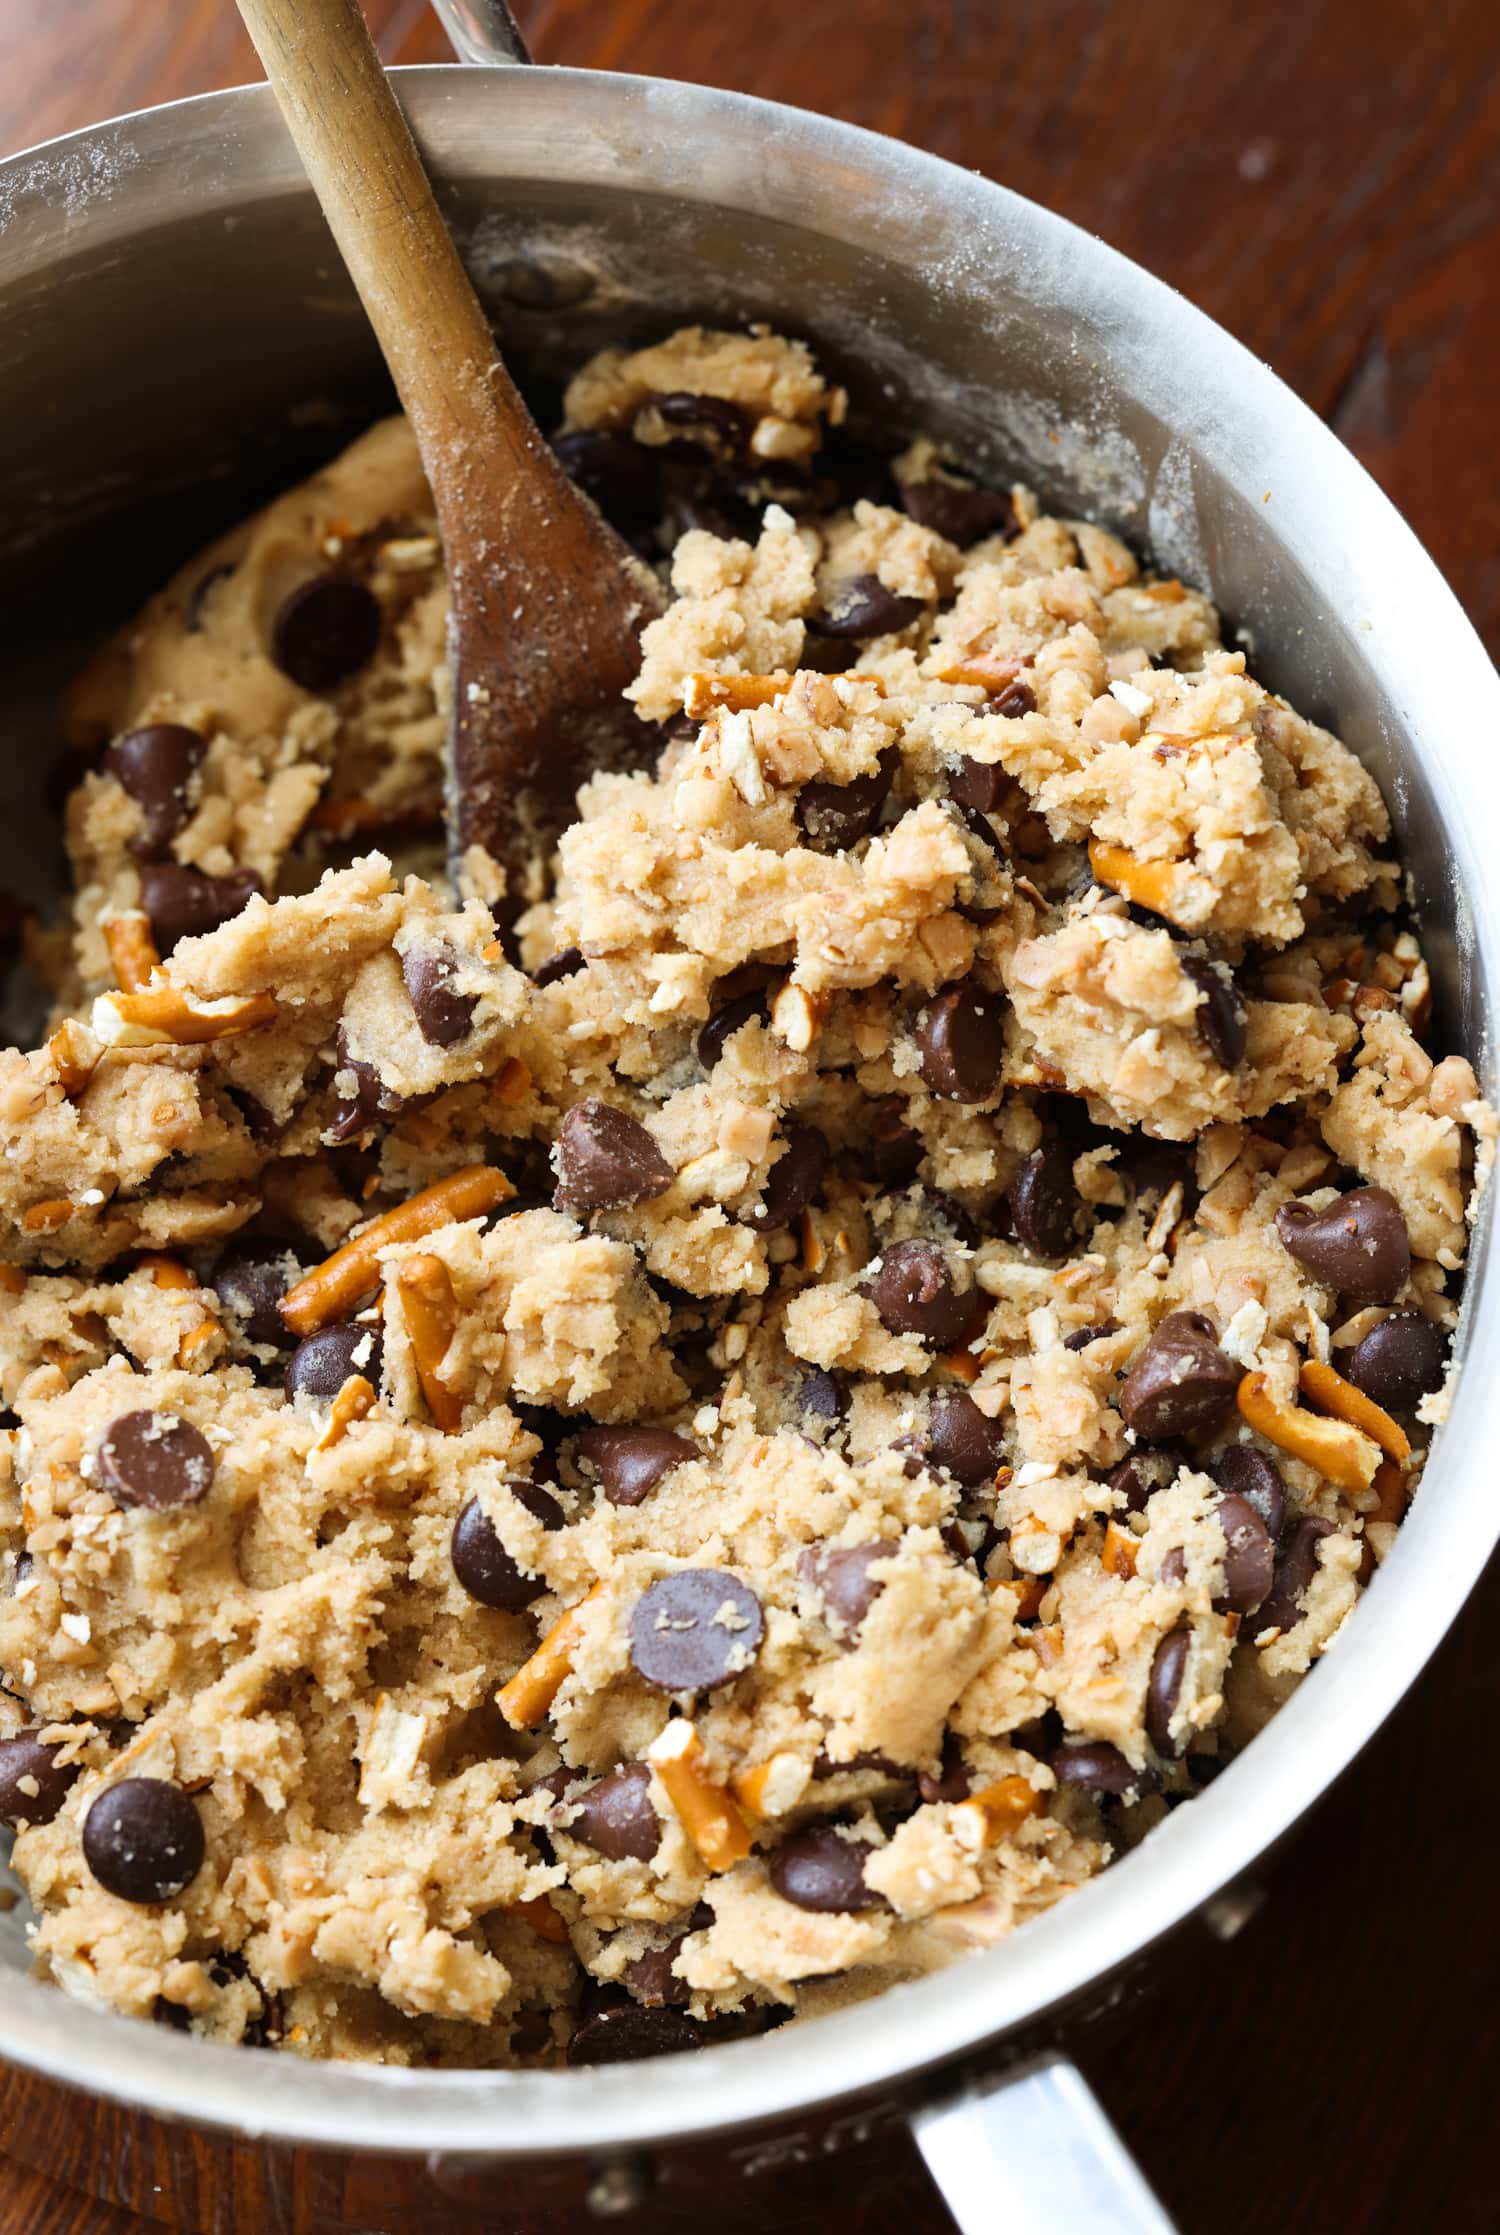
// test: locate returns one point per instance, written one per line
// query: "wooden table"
(1323, 176)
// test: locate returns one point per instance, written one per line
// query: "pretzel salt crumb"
(326, 1293)
(705, 1809)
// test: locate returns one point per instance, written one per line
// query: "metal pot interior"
(177, 339)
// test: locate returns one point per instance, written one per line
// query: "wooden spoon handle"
(363, 163)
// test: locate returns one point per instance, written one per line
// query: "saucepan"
(177, 337)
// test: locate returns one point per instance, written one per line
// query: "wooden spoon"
(547, 603)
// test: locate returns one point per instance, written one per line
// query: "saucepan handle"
(1029, 2151)
(482, 30)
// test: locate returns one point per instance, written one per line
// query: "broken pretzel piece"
(132, 950)
(75, 1051)
(530, 1692)
(430, 1310)
(545, 1920)
(166, 1016)
(170, 1272)
(994, 1812)
(356, 1398)
(326, 1293)
(1340, 1452)
(1329, 1391)
(771, 1787)
(705, 1809)
(1174, 889)
(1119, 1554)
(736, 693)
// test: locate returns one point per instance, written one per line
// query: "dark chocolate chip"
(325, 631)
(962, 1438)
(1359, 1245)
(914, 1293)
(483, 1566)
(793, 1180)
(896, 1151)
(834, 817)
(33, 1783)
(443, 1013)
(863, 607)
(721, 426)
(1400, 1362)
(949, 1212)
(616, 1817)
(1094, 1766)
(539, 1503)
(1044, 1203)
(156, 766)
(1164, 1690)
(566, 963)
(652, 1980)
(1151, 1168)
(952, 1781)
(1253, 1477)
(820, 1870)
(694, 1630)
(250, 1280)
(1249, 1555)
(725, 1023)
(630, 1462)
(369, 1103)
(1014, 700)
(840, 1575)
(1221, 1012)
(172, 2015)
(143, 1840)
(621, 476)
(1181, 1381)
(1139, 1477)
(822, 1400)
(960, 1037)
(1296, 1565)
(322, 1363)
(627, 2031)
(960, 511)
(156, 1460)
(978, 786)
(1081, 1337)
(183, 903)
(605, 1159)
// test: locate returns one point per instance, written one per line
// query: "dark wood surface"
(1323, 176)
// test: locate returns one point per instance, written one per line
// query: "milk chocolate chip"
(606, 1159)
(1358, 1245)
(1181, 1381)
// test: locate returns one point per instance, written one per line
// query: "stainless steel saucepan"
(176, 336)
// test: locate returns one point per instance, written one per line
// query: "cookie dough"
(573, 1496)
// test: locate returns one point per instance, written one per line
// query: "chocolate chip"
(725, 1023)
(1152, 1168)
(840, 1575)
(836, 816)
(250, 1280)
(962, 1438)
(621, 477)
(914, 1293)
(606, 1159)
(1182, 1380)
(820, 1870)
(627, 2031)
(1139, 1477)
(1400, 1362)
(1094, 1766)
(721, 426)
(616, 1818)
(978, 786)
(539, 1503)
(566, 963)
(1296, 1565)
(370, 1102)
(822, 1401)
(183, 903)
(156, 766)
(33, 1783)
(1359, 1245)
(863, 607)
(1081, 1337)
(143, 1840)
(1044, 1203)
(960, 1038)
(960, 511)
(695, 1630)
(952, 1781)
(793, 1180)
(1017, 698)
(154, 1459)
(896, 1151)
(1253, 1477)
(1221, 1013)
(947, 1211)
(322, 1363)
(325, 631)
(172, 2015)
(630, 1462)
(652, 1980)
(1249, 1555)
(483, 1566)
(1164, 1689)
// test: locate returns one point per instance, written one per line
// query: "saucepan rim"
(893, 201)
